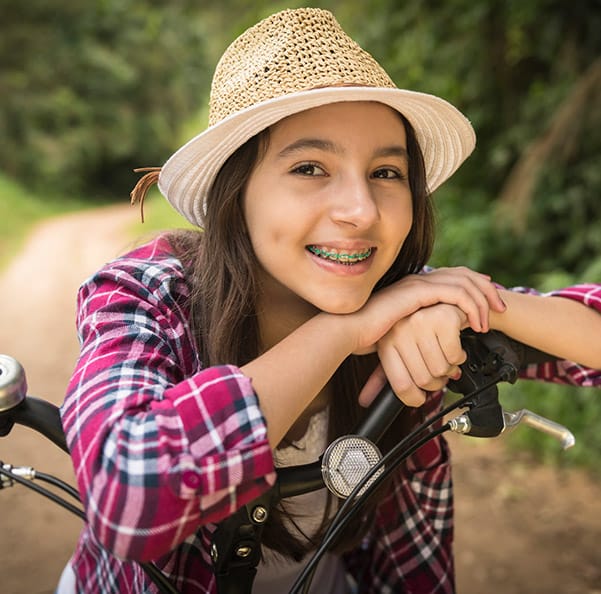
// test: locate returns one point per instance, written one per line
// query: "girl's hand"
(419, 354)
(471, 292)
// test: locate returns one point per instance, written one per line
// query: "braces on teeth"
(342, 258)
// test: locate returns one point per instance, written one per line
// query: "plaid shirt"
(163, 448)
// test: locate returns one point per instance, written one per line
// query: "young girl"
(209, 358)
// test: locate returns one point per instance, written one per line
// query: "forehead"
(361, 119)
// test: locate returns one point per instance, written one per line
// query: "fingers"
(452, 350)
(422, 352)
(400, 378)
(375, 382)
(471, 291)
(409, 386)
(479, 290)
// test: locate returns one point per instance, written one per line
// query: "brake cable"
(385, 466)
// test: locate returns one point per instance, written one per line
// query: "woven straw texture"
(291, 51)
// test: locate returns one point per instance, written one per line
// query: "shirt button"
(191, 479)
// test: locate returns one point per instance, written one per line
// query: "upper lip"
(348, 246)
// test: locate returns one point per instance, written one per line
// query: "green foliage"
(578, 409)
(20, 209)
(89, 90)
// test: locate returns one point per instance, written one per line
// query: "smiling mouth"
(340, 256)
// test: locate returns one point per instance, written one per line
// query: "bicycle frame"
(236, 548)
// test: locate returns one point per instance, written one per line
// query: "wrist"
(497, 320)
(342, 331)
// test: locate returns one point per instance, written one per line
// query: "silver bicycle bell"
(13, 385)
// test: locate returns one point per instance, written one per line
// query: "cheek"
(276, 221)
(268, 232)
(402, 222)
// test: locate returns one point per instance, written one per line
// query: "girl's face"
(328, 207)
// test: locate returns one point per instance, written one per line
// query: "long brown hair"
(221, 269)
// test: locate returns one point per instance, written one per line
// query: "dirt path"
(37, 309)
(521, 528)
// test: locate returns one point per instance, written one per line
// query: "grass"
(22, 209)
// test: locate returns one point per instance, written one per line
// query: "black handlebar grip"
(385, 408)
(43, 417)
(515, 352)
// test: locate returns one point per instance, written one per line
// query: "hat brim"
(445, 136)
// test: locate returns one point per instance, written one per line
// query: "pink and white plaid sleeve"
(160, 446)
(568, 372)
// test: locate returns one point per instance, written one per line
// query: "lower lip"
(343, 269)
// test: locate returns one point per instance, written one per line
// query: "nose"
(354, 203)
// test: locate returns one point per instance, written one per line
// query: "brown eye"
(387, 173)
(309, 170)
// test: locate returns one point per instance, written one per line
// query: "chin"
(341, 307)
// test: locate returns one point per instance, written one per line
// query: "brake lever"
(490, 354)
(562, 434)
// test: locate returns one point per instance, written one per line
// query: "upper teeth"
(340, 255)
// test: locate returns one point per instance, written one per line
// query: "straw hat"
(292, 61)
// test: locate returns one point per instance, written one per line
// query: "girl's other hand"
(419, 354)
(471, 292)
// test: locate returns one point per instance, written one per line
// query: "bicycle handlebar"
(37, 414)
(491, 357)
(486, 353)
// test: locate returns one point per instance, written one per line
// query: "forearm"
(191, 453)
(562, 327)
(291, 374)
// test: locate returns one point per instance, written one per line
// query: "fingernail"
(456, 375)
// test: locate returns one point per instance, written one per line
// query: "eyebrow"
(310, 143)
(393, 151)
(331, 147)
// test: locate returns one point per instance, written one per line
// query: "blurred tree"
(89, 90)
